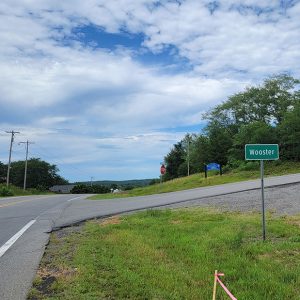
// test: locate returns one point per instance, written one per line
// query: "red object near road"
(163, 170)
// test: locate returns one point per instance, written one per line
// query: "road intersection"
(27, 221)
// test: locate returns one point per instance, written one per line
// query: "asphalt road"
(26, 222)
(20, 261)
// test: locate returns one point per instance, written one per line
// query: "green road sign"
(261, 152)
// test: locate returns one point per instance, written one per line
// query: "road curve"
(26, 223)
(88, 209)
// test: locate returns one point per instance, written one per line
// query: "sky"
(105, 88)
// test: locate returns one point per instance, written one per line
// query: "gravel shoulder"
(282, 200)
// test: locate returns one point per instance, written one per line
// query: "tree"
(87, 189)
(3, 170)
(39, 173)
(81, 189)
(289, 132)
(186, 168)
(254, 133)
(267, 103)
(220, 141)
(200, 153)
(173, 161)
(267, 113)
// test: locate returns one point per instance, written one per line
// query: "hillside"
(245, 172)
(123, 183)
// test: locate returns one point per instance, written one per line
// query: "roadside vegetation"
(164, 254)
(88, 189)
(246, 171)
(16, 191)
(40, 175)
(264, 114)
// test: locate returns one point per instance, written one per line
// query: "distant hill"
(122, 183)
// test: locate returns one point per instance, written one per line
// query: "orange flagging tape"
(223, 286)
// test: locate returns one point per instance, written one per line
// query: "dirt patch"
(68, 230)
(48, 275)
(115, 220)
(45, 286)
(294, 222)
(288, 256)
(55, 272)
(46, 278)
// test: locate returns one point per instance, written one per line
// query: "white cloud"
(75, 93)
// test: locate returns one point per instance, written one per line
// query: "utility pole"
(10, 150)
(188, 140)
(188, 156)
(25, 172)
(92, 180)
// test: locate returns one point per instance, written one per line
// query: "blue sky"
(105, 88)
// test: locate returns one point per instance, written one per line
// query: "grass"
(198, 180)
(16, 191)
(172, 255)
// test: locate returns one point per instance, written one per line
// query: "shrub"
(85, 189)
(5, 192)
(249, 166)
(154, 181)
(234, 164)
(81, 189)
(129, 187)
(41, 188)
(99, 189)
(226, 169)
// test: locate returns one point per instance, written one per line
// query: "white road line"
(75, 198)
(12, 240)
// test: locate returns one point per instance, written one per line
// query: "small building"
(62, 189)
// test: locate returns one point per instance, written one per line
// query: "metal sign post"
(263, 198)
(262, 152)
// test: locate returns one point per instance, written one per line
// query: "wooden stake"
(215, 285)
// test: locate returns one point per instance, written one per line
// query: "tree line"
(40, 174)
(268, 113)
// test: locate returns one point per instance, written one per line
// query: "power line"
(55, 158)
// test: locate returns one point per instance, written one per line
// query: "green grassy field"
(172, 255)
(198, 180)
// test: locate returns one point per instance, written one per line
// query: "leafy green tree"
(282, 94)
(268, 113)
(3, 170)
(81, 189)
(100, 189)
(200, 153)
(220, 141)
(289, 132)
(114, 186)
(254, 133)
(267, 103)
(187, 167)
(87, 189)
(173, 160)
(39, 173)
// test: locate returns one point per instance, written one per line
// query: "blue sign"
(213, 166)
